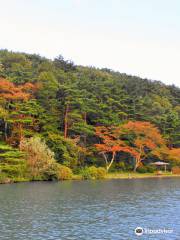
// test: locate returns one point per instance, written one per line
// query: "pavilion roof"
(159, 163)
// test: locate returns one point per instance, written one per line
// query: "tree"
(66, 65)
(10, 92)
(171, 155)
(136, 138)
(111, 144)
(67, 151)
(15, 115)
(143, 137)
(3, 117)
(12, 162)
(38, 156)
(64, 103)
(47, 99)
(174, 154)
(17, 67)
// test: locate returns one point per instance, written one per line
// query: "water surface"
(87, 210)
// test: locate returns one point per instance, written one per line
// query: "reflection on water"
(87, 210)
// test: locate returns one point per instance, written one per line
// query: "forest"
(58, 119)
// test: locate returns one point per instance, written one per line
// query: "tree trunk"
(66, 121)
(112, 160)
(138, 158)
(137, 162)
(85, 136)
(108, 165)
(135, 167)
(106, 161)
(5, 130)
(20, 132)
(85, 117)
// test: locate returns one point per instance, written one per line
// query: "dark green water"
(88, 210)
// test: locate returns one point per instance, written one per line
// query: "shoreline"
(109, 176)
(139, 175)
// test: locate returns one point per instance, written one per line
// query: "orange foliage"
(15, 94)
(145, 131)
(145, 137)
(174, 154)
(111, 143)
(10, 91)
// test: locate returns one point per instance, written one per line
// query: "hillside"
(62, 105)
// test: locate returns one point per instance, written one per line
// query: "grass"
(114, 175)
(127, 175)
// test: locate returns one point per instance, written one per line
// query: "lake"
(87, 210)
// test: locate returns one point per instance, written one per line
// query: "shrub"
(142, 169)
(49, 174)
(11, 161)
(3, 178)
(176, 170)
(151, 169)
(101, 173)
(93, 173)
(14, 171)
(58, 172)
(39, 157)
(121, 166)
(85, 173)
(146, 169)
(63, 172)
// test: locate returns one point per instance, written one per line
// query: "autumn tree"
(136, 138)
(143, 137)
(13, 98)
(111, 143)
(174, 154)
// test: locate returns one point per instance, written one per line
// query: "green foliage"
(16, 66)
(63, 172)
(58, 172)
(4, 178)
(12, 163)
(66, 151)
(142, 169)
(100, 173)
(121, 166)
(69, 103)
(146, 169)
(93, 173)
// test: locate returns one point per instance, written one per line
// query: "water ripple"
(89, 210)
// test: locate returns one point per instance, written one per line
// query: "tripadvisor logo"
(138, 231)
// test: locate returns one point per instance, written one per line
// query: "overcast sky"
(138, 37)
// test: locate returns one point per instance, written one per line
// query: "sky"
(137, 37)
